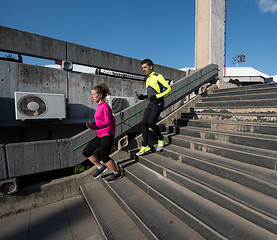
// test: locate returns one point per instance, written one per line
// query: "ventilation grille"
(32, 106)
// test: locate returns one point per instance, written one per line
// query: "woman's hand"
(89, 124)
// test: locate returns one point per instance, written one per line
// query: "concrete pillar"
(209, 33)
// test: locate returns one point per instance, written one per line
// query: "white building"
(243, 75)
(246, 75)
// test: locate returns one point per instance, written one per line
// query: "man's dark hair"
(148, 62)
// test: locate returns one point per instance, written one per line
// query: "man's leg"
(156, 111)
(145, 127)
(145, 148)
(152, 120)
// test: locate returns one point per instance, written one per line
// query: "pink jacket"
(104, 120)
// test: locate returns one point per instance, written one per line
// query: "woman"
(99, 148)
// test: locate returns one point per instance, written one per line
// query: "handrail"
(169, 94)
(189, 83)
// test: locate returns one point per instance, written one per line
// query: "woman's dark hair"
(103, 89)
(148, 62)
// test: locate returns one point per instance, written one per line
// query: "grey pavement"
(67, 219)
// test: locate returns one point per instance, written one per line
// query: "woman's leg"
(105, 148)
(106, 144)
(112, 166)
(94, 159)
(90, 152)
(116, 172)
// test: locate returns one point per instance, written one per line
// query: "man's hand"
(142, 97)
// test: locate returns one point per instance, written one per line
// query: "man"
(157, 88)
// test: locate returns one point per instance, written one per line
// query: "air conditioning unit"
(30, 105)
(118, 103)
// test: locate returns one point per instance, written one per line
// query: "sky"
(161, 30)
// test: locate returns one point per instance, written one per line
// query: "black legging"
(150, 117)
(101, 146)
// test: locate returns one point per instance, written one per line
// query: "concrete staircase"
(215, 179)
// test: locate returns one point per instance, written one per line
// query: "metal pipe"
(225, 30)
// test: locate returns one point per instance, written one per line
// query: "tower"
(209, 33)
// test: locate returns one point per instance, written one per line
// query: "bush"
(81, 168)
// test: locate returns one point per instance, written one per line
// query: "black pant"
(101, 146)
(150, 117)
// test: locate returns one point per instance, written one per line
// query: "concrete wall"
(76, 86)
(202, 33)
(26, 78)
(15, 41)
(209, 33)
(217, 35)
(3, 165)
(17, 159)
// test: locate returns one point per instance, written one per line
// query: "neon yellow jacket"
(155, 84)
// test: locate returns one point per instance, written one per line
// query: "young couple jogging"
(99, 148)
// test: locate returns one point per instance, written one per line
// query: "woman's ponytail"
(103, 89)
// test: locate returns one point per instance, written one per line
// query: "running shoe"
(114, 177)
(160, 145)
(99, 172)
(143, 150)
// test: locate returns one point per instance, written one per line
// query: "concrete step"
(231, 115)
(248, 96)
(258, 157)
(257, 103)
(243, 201)
(235, 126)
(113, 222)
(204, 216)
(252, 96)
(253, 110)
(247, 139)
(249, 103)
(249, 87)
(241, 91)
(258, 178)
(154, 220)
